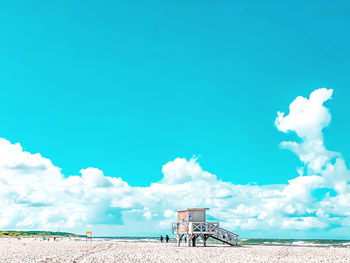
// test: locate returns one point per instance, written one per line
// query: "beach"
(30, 250)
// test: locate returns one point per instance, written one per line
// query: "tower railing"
(202, 227)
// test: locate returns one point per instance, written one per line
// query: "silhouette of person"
(167, 238)
(161, 238)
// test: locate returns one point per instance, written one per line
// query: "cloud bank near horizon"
(34, 194)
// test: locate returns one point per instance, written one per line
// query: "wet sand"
(98, 251)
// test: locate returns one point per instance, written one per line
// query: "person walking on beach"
(161, 238)
(167, 238)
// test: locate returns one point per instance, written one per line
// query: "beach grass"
(13, 233)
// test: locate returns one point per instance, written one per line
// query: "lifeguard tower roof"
(192, 209)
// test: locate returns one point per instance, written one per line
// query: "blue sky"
(130, 86)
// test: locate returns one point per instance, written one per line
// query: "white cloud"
(307, 117)
(35, 195)
(147, 215)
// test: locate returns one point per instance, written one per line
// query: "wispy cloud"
(34, 194)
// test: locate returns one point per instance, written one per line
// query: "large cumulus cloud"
(35, 195)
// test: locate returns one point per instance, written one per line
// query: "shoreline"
(242, 242)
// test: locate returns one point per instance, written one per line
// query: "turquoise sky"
(127, 86)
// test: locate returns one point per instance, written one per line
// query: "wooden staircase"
(225, 236)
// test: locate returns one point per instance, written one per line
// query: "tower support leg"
(188, 240)
(204, 238)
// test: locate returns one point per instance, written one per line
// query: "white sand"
(79, 251)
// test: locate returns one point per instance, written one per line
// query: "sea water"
(243, 241)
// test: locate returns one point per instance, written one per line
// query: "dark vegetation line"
(35, 234)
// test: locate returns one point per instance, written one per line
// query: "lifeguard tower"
(191, 223)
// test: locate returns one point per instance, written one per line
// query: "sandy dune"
(79, 251)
